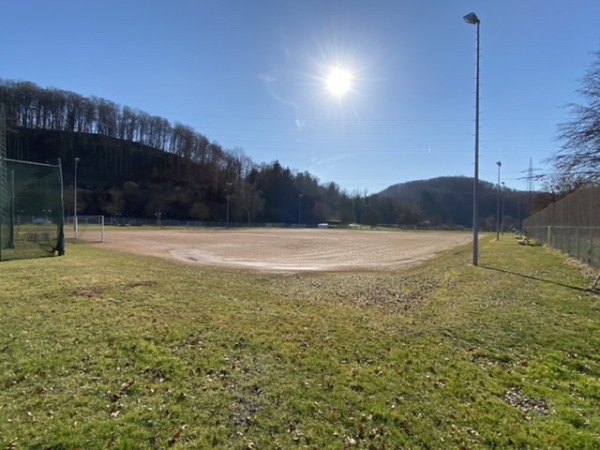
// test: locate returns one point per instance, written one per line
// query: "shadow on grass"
(529, 277)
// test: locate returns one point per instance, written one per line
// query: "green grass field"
(102, 350)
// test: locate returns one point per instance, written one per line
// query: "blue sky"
(250, 74)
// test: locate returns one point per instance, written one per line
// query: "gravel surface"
(288, 250)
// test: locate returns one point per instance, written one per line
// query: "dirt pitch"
(286, 250)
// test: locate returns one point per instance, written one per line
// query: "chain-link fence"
(571, 225)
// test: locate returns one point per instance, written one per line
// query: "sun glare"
(339, 81)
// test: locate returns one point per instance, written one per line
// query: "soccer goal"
(85, 228)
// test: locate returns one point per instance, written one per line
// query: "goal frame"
(85, 228)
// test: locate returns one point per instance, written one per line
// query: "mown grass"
(106, 350)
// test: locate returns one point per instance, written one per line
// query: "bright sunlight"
(339, 81)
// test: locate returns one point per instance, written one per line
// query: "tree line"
(133, 164)
(138, 165)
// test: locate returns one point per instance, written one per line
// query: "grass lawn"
(102, 350)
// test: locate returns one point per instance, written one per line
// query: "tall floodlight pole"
(228, 188)
(75, 203)
(472, 19)
(499, 163)
(299, 207)
(502, 212)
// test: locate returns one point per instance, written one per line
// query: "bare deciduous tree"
(579, 157)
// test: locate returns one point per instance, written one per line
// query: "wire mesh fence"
(571, 225)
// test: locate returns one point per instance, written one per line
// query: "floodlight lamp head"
(472, 18)
(499, 163)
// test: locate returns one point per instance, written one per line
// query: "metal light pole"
(299, 207)
(472, 19)
(228, 187)
(499, 163)
(75, 203)
(502, 212)
(362, 211)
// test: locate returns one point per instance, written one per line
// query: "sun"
(339, 81)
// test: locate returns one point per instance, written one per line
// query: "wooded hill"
(133, 164)
(449, 200)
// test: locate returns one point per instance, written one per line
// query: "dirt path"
(286, 249)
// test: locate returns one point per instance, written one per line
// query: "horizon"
(256, 76)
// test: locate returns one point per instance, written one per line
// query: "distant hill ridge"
(449, 200)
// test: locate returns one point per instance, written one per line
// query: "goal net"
(31, 210)
(85, 228)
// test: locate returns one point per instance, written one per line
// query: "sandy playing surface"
(286, 249)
